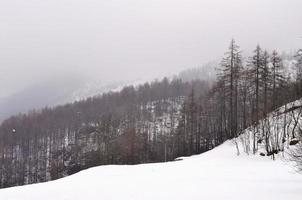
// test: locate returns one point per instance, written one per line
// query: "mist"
(156, 90)
(133, 39)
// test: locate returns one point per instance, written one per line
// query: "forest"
(153, 122)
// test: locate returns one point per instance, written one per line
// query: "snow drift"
(217, 174)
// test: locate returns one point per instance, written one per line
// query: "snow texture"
(217, 174)
(281, 126)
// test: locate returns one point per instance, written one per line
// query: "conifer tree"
(298, 57)
(278, 77)
(229, 75)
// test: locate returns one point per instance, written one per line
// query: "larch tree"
(298, 57)
(278, 77)
(228, 76)
(256, 66)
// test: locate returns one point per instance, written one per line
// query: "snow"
(279, 125)
(217, 174)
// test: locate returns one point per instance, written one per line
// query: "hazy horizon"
(131, 39)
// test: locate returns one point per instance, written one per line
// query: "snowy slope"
(279, 127)
(217, 174)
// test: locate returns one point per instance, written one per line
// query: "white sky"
(130, 39)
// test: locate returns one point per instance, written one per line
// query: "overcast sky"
(130, 39)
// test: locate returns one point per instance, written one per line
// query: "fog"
(117, 40)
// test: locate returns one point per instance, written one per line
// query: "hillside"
(131, 126)
(217, 174)
(234, 172)
(158, 121)
(276, 134)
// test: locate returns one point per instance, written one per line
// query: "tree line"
(134, 125)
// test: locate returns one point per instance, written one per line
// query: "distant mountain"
(96, 87)
(64, 89)
(51, 93)
(69, 89)
(206, 72)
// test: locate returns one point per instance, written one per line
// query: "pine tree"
(256, 64)
(192, 121)
(298, 57)
(256, 67)
(278, 77)
(228, 76)
(265, 81)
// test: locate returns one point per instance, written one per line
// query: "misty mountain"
(51, 93)
(66, 89)
(47, 93)
(206, 72)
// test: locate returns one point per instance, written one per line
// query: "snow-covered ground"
(217, 174)
(280, 127)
